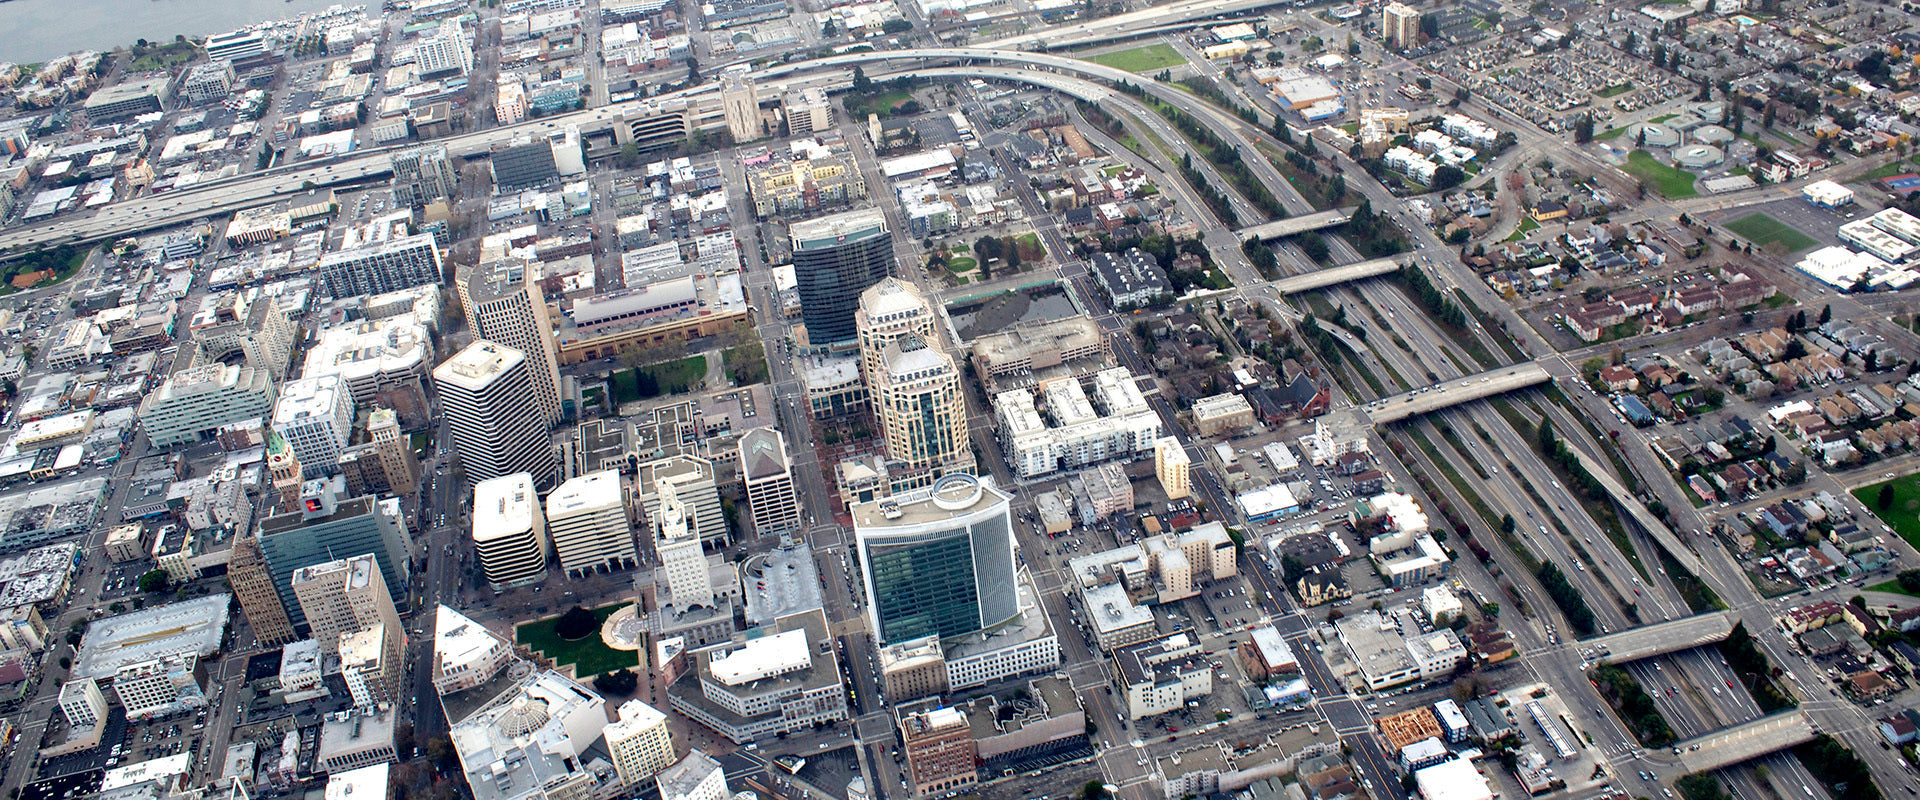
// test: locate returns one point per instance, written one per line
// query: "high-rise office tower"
(327, 528)
(640, 742)
(587, 518)
(353, 617)
(1400, 25)
(343, 596)
(689, 581)
(508, 532)
(835, 258)
(890, 311)
(694, 482)
(913, 383)
(769, 477)
(396, 455)
(504, 305)
(315, 416)
(741, 106)
(283, 468)
(937, 561)
(422, 175)
(494, 414)
(252, 584)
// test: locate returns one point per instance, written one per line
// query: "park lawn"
(669, 377)
(961, 264)
(1526, 224)
(1668, 180)
(1140, 59)
(588, 656)
(1615, 90)
(1903, 513)
(1030, 247)
(1763, 230)
(882, 104)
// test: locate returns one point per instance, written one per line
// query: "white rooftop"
(765, 657)
(1452, 780)
(365, 783)
(590, 492)
(189, 626)
(503, 506)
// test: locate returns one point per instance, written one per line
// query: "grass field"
(1140, 59)
(588, 656)
(1612, 134)
(1668, 180)
(1615, 90)
(672, 377)
(1763, 230)
(1903, 513)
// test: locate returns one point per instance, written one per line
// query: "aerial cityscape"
(982, 399)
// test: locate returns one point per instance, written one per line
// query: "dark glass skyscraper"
(835, 258)
(938, 561)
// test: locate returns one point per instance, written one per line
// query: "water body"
(33, 31)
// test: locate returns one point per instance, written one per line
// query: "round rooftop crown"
(956, 492)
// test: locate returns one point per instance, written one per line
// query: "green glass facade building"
(938, 561)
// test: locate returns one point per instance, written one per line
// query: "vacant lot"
(1764, 230)
(1668, 180)
(588, 656)
(1140, 59)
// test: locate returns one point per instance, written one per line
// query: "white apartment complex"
(1073, 432)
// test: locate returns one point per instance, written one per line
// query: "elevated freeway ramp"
(1641, 516)
(1268, 231)
(1454, 392)
(1662, 638)
(1746, 741)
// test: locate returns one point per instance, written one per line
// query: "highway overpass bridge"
(1659, 639)
(1455, 391)
(1269, 231)
(1321, 278)
(1746, 741)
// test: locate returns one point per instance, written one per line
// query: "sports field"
(1764, 230)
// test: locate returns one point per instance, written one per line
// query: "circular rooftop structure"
(1712, 134)
(956, 492)
(525, 716)
(1695, 156)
